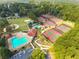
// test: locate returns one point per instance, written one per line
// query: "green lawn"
(20, 22)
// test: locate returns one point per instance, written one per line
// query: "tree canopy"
(3, 24)
(4, 53)
(37, 54)
(67, 47)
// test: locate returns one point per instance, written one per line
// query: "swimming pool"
(17, 42)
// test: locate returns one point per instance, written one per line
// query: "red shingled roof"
(7, 36)
(32, 32)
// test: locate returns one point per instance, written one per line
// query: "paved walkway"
(42, 46)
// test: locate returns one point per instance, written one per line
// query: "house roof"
(32, 32)
(7, 36)
(22, 54)
(52, 35)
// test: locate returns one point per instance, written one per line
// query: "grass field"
(20, 22)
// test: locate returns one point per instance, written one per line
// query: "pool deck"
(13, 49)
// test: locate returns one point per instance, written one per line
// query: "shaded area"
(22, 54)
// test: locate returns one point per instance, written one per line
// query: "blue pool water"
(17, 42)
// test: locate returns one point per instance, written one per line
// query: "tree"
(37, 54)
(2, 42)
(3, 23)
(31, 14)
(9, 29)
(5, 53)
(67, 47)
